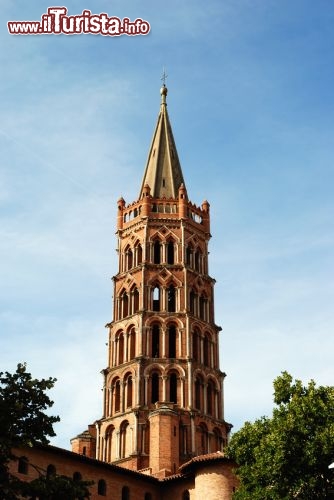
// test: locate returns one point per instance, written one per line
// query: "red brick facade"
(163, 387)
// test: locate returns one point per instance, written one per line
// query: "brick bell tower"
(163, 389)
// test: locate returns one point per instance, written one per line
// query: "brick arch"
(173, 367)
(125, 448)
(202, 438)
(109, 443)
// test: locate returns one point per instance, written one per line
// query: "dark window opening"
(155, 341)
(77, 476)
(155, 388)
(173, 389)
(198, 394)
(189, 255)
(157, 252)
(129, 392)
(170, 253)
(101, 487)
(172, 341)
(171, 303)
(125, 493)
(22, 467)
(50, 471)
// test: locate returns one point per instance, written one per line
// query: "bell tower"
(163, 388)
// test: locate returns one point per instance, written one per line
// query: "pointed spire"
(163, 173)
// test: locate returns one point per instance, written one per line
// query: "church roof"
(163, 173)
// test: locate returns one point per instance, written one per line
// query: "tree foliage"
(287, 456)
(24, 423)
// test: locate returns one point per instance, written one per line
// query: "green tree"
(24, 423)
(287, 456)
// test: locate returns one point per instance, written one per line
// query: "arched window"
(124, 304)
(193, 302)
(198, 392)
(218, 440)
(22, 466)
(202, 441)
(135, 300)
(117, 395)
(125, 493)
(155, 388)
(156, 298)
(109, 442)
(157, 252)
(50, 471)
(102, 488)
(172, 341)
(197, 260)
(173, 388)
(129, 391)
(132, 339)
(129, 259)
(171, 296)
(120, 348)
(202, 307)
(210, 396)
(189, 254)
(124, 442)
(139, 254)
(77, 476)
(196, 350)
(206, 347)
(155, 341)
(170, 253)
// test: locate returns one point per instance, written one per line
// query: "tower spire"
(163, 173)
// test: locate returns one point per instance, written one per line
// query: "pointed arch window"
(138, 254)
(170, 252)
(171, 299)
(192, 301)
(135, 300)
(189, 254)
(157, 252)
(156, 298)
(124, 304)
(129, 259)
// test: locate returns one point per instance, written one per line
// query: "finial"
(163, 90)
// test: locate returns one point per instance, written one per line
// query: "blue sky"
(252, 109)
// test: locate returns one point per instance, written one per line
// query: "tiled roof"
(208, 458)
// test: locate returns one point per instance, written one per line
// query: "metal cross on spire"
(164, 76)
